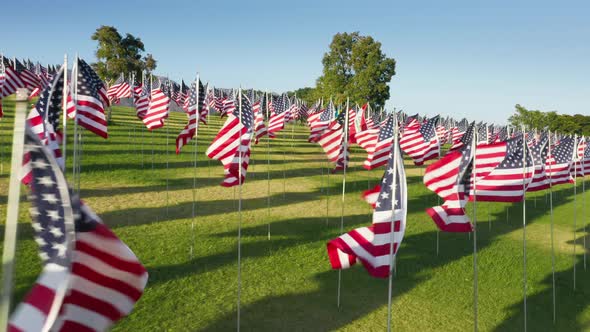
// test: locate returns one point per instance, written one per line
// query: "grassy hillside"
(287, 280)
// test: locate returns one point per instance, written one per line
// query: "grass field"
(287, 282)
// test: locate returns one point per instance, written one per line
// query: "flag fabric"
(578, 169)
(419, 141)
(372, 245)
(43, 121)
(539, 153)
(332, 142)
(457, 133)
(259, 125)
(560, 160)
(90, 278)
(89, 100)
(378, 151)
(351, 125)
(449, 178)
(141, 99)
(232, 143)
(320, 122)
(11, 78)
(158, 107)
(28, 78)
(190, 130)
(120, 89)
(278, 113)
(499, 172)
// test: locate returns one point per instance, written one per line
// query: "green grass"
(287, 283)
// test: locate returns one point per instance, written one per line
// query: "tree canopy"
(355, 67)
(117, 54)
(563, 123)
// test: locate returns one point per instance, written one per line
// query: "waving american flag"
(232, 144)
(91, 100)
(158, 107)
(539, 154)
(419, 141)
(560, 160)
(379, 148)
(195, 102)
(372, 245)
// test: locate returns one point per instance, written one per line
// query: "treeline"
(562, 123)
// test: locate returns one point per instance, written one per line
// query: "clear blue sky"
(463, 58)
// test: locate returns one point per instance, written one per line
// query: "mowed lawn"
(287, 282)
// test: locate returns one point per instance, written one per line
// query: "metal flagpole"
(195, 170)
(11, 228)
(551, 223)
(64, 109)
(168, 160)
(3, 71)
(267, 163)
(475, 290)
(345, 166)
(575, 201)
(151, 85)
(142, 141)
(524, 275)
(584, 197)
(284, 155)
(76, 136)
(392, 236)
(240, 215)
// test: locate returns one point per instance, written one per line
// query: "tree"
(355, 67)
(117, 54)
(562, 123)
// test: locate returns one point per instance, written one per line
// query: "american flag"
(578, 169)
(278, 113)
(501, 134)
(379, 149)
(351, 125)
(372, 245)
(228, 104)
(43, 121)
(141, 99)
(90, 278)
(442, 133)
(11, 79)
(190, 130)
(482, 133)
(259, 125)
(89, 102)
(159, 106)
(30, 80)
(332, 141)
(100, 86)
(419, 141)
(319, 122)
(539, 153)
(449, 178)
(182, 94)
(232, 143)
(360, 122)
(499, 172)
(560, 160)
(457, 133)
(120, 89)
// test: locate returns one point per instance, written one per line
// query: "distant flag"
(539, 154)
(560, 160)
(30, 80)
(141, 98)
(89, 100)
(259, 125)
(379, 150)
(457, 133)
(332, 141)
(90, 279)
(119, 89)
(449, 178)
(158, 108)
(578, 169)
(420, 141)
(499, 171)
(278, 113)
(372, 245)
(319, 122)
(232, 143)
(11, 78)
(190, 130)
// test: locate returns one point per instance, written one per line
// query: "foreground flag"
(43, 121)
(420, 141)
(502, 171)
(372, 245)
(232, 144)
(449, 178)
(560, 160)
(90, 278)
(190, 130)
(158, 108)
(90, 100)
